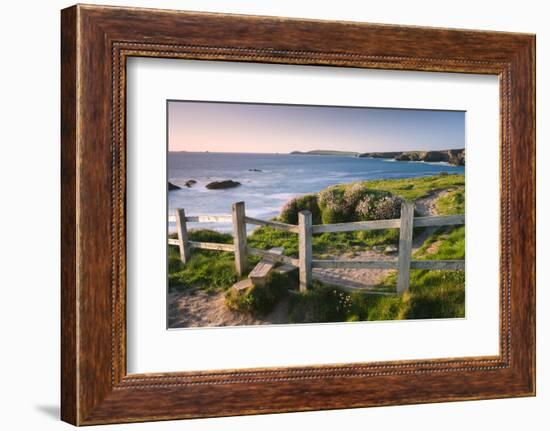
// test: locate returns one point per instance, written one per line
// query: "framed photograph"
(266, 215)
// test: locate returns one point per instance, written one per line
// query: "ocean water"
(282, 177)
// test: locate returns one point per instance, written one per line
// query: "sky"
(267, 128)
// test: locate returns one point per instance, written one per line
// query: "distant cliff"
(453, 157)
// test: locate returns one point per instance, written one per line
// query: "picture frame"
(96, 42)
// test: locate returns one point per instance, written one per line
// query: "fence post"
(239, 238)
(305, 248)
(405, 247)
(181, 225)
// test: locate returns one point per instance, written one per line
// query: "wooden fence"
(306, 229)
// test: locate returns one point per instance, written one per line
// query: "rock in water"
(190, 183)
(226, 184)
(173, 186)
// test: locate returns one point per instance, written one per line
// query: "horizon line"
(308, 151)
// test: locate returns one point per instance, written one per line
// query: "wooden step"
(261, 271)
(242, 285)
(285, 269)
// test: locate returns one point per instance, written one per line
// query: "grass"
(451, 203)
(415, 188)
(207, 270)
(436, 294)
(323, 244)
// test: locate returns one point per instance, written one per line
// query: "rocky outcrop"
(190, 183)
(172, 186)
(226, 184)
(454, 157)
(457, 157)
(388, 155)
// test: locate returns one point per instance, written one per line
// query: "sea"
(268, 181)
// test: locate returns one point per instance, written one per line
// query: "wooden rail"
(355, 264)
(274, 224)
(388, 224)
(212, 246)
(305, 230)
(223, 218)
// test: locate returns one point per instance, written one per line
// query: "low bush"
(334, 208)
(321, 303)
(357, 202)
(260, 300)
(289, 212)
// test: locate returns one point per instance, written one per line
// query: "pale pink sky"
(265, 128)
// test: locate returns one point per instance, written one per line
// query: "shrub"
(259, 300)
(340, 204)
(321, 303)
(379, 205)
(333, 206)
(353, 194)
(207, 235)
(289, 212)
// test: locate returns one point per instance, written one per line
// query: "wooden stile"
(243, 285)
(261, 271)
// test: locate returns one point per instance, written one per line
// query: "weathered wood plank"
(212, 246)
(305, 249)
(285, 268)
(261, 271)
(405, 247)
(181, 226)
(276, 258)
(452, 265)
(239, 237)
(222, 218)
(210, 219)
(173, 241)
(457, 219)
(241, 286)
(355, 264)
(355, 226)
(274, 224)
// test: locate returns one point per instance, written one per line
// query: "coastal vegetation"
(433, 294)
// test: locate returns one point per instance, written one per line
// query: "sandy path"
(200, 309)
(426, 207)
